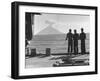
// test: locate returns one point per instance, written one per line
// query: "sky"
(61, 22)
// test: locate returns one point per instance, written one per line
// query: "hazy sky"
(61, 22)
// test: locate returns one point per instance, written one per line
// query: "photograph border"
(15, 39)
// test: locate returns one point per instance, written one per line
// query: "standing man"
(26, 42)
(26, 48)
(69, 37)
(75, 38)
(82, 38)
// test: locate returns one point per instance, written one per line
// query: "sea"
(56, 42)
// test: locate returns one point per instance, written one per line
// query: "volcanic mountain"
(49, 31)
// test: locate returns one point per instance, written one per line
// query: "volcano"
(49, 31)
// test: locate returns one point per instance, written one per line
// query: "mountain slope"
(49, 31)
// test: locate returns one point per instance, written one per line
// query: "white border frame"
(52, 70)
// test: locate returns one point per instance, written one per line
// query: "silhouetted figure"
(26, 49)
(69, 37)
(75, 38)
(82, 38)
(26, 42)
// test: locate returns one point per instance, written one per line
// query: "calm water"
(57, 43)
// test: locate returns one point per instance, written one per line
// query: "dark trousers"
(75, 46)
(70, 46)
(83, 46)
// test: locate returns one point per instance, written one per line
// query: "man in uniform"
(82, 38)
(75, 38)
(69, 37)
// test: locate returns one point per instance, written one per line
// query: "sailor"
(82, 38)
(75, 39)
(69, 37)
